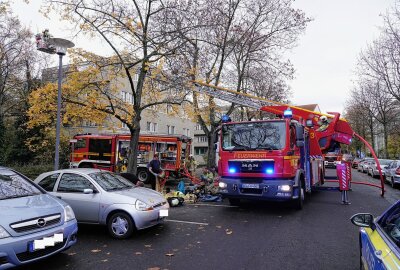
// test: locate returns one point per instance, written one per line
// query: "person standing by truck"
(154, 167)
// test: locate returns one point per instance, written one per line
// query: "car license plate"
(250, 186)
(164, 213)
(45, 242)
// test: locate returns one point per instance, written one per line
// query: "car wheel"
(120, 225)
(144, 175)
(234, 201)
(392, 183)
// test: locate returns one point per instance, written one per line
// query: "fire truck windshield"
(254, 136)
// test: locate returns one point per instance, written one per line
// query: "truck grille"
(36, 223)
(26, 256)
(251, 166)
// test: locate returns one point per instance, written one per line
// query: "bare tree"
(246, 41)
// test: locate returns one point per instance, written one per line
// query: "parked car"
(379, 239)
(103, 197)
(392, 173)
(355, 163)
(373, 169)
(363, 165)
(33, 224)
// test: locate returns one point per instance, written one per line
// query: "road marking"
(188, 222)
(208, 204)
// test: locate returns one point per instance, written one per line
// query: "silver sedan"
(102, 197)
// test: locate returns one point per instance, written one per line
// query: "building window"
(127, 97)
(186, 132)
(169, 108)
(88, 123)
(201, 139)
(151, 127)
(171, 129)
(200, 151)
(198, 127)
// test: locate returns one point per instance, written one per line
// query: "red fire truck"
(279, 159)
(110, 152)
(331, 159)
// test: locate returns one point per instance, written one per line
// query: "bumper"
(146, 219)
(14, 250)
(376, 172)
(330, 164)
(396, 179)
(267, 190)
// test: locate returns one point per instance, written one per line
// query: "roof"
(310, 107)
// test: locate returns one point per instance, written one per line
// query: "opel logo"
(41, 222)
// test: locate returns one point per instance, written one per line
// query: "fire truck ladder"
(338, 130)
(233, 96)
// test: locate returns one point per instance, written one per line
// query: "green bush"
(33, 170)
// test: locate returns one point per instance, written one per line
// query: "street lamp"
(48, 44)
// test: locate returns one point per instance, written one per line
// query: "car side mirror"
(309, 123)
(88, 191)
(363, 220)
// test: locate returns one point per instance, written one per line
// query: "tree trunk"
(385, 137)
(133, 153)
(211, 150)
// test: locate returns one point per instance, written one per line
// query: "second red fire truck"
(110, 152)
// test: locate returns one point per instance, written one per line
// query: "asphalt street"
(252, 236)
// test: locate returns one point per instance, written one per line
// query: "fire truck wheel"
(144, 175)
(299, 202)
(120, 225)
(234, 202)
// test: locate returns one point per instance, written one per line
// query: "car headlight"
(68, 213)
(285, 188)
(142, 206)
(3, 233)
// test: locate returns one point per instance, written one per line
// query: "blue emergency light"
(269, 171)
(232, 170)
(287, 113)
(225, 118)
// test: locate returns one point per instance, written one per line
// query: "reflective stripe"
(291, 157)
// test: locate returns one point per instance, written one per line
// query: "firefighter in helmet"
(323, 123)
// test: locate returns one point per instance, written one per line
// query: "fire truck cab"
(267, 160)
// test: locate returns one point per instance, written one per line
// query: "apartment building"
(160, 120)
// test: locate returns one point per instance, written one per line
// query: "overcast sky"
(326, 56)
(324, 60)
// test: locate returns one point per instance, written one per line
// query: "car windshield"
(109, 181)
(254, 135)
(390, 222)
(13, 185)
